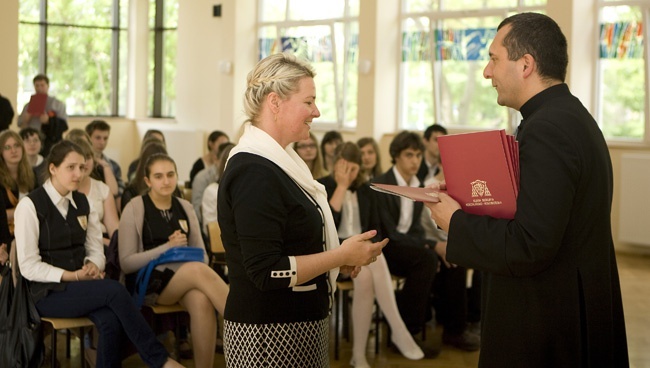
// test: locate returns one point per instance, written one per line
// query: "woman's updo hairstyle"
(279, 73)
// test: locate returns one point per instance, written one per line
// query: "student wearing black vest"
(60, 252)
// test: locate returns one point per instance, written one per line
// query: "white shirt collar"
(54, 194)
(415, 182)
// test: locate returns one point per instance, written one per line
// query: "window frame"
(437, 15)
(115, 29)
(341, 94)
(644, 6)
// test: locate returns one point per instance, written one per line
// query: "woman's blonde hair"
(279, 73)
(25, 182)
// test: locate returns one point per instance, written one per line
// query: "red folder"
(414, 194)
(482, 172)
(37, 104)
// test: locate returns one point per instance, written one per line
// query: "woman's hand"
(177, 239)
(359, 250)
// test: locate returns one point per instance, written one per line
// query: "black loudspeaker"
(216, 10)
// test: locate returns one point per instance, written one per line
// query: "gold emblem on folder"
(183, 224)
(83, 222)
(480, 189)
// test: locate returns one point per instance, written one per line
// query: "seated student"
(155, 222)
(32, 141)
(331, 140)
(430, 167)
(99, 131)
(407, 256)
(355, 211)
(148, 136)
(209, 200)
(215, 139)
(370, 158)
(59, 250)
(98, 194)
(17, 177)
(100, 170)
(203, 179)
(6, 113)
(137, 185)
(307, 149)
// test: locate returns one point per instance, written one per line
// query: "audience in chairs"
(155, 222)
(149, 135)
(32, 140)
(354, 209)
(331, 140)
(209, 200)
(59, 250)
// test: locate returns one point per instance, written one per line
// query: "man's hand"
(442, 211)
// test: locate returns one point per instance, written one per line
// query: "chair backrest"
(214, 233)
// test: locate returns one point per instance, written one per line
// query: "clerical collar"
(539, 99)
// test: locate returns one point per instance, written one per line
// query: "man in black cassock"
(551, 293)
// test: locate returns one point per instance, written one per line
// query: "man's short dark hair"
(434, 128)
(402, 141)
(541, 37)
(42, 77)
(28, 132)
(100, 125)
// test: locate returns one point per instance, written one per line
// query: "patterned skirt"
(297, 344)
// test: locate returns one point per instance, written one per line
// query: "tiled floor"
(634, 272)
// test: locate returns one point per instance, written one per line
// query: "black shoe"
(465, 341)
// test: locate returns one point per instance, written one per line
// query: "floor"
(634, 273)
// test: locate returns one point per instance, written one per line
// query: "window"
(81, 50)
(622, 70)
(163, 24)
(444, 52)
(326, 34)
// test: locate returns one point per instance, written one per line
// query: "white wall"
(9, 53)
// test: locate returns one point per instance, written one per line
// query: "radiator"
(634, 226)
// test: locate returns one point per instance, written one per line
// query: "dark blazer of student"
(6, 113)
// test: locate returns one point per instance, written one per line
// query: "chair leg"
(377, 332)
(82, 347)
(177, 331)
(346, 315)
(67, 343)
(336, 309)
(53, 345)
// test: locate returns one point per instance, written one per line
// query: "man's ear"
(529, 65)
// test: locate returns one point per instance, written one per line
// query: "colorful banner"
(450, 44)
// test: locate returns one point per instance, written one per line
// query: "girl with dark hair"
(59, 250)
(156, 222)
(215, 139)
(331, 140)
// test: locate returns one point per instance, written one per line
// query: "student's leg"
(364, 296)
(418, 266)
(386, 299)
(86, 297)
(196, 275)
(203, 325)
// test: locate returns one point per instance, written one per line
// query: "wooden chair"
(175, 309)
(58, 323)
(68, 324)
(217, 250)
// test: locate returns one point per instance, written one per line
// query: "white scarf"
(258, 142)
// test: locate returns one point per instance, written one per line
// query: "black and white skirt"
(297, 344)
